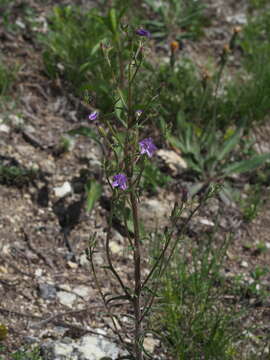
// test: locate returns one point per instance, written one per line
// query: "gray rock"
(30, 340)
(47, 291)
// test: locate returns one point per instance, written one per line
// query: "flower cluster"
(146, 147)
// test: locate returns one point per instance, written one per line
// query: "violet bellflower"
(143, 32)
(147, 147)
(120, 180)
(93, 116)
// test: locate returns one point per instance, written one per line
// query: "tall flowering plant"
(125, 155)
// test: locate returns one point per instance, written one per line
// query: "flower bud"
(174, 46)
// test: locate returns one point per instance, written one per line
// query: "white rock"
(83, 291)
(94, 348)
(20, 24)
(240, 19)
(63, 190)
(38, 272)
(174, 161)
(83, 260)
(87, 348)
(244, 264)
(62, 349)
(206, 222)
(4, 128)
(150, 343)
(66, 298)
(115, 247)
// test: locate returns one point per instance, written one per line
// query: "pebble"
(244, 264)
(4, 128)
(83, 291)
(47, 291)
(66, 298)
(63, 190)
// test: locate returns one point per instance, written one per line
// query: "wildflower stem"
(137, 277)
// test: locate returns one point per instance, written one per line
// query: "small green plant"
(254, 85)
(153, 178)
(254, 287)
(74, 51)
(7, 77)
(251, 204)
(171, 15)
(14, 20)
(194, 321)
(22, 354)
(212, 156)
(125, 156)
(16, 175)
(257, 4)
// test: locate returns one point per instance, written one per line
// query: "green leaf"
(113, 21)
(93, 194)
(122, 97)
(246, 165)
(194, 189)
(229, 145)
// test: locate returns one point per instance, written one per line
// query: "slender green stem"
(108, 256)
(137, 277)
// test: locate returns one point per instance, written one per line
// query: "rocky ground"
(45, 294)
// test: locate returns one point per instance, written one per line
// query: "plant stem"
(137, 276)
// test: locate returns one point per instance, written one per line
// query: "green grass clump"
(170, 16)
(22, 354)
(72, 52)
(195, 321)
(7, 77)
(17, 176)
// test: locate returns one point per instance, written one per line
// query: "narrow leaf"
(229, 144)
(246, 165)
(93, 194)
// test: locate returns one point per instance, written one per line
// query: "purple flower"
(143, 32)
(147, 147)
(120, 180)
(93, 115)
